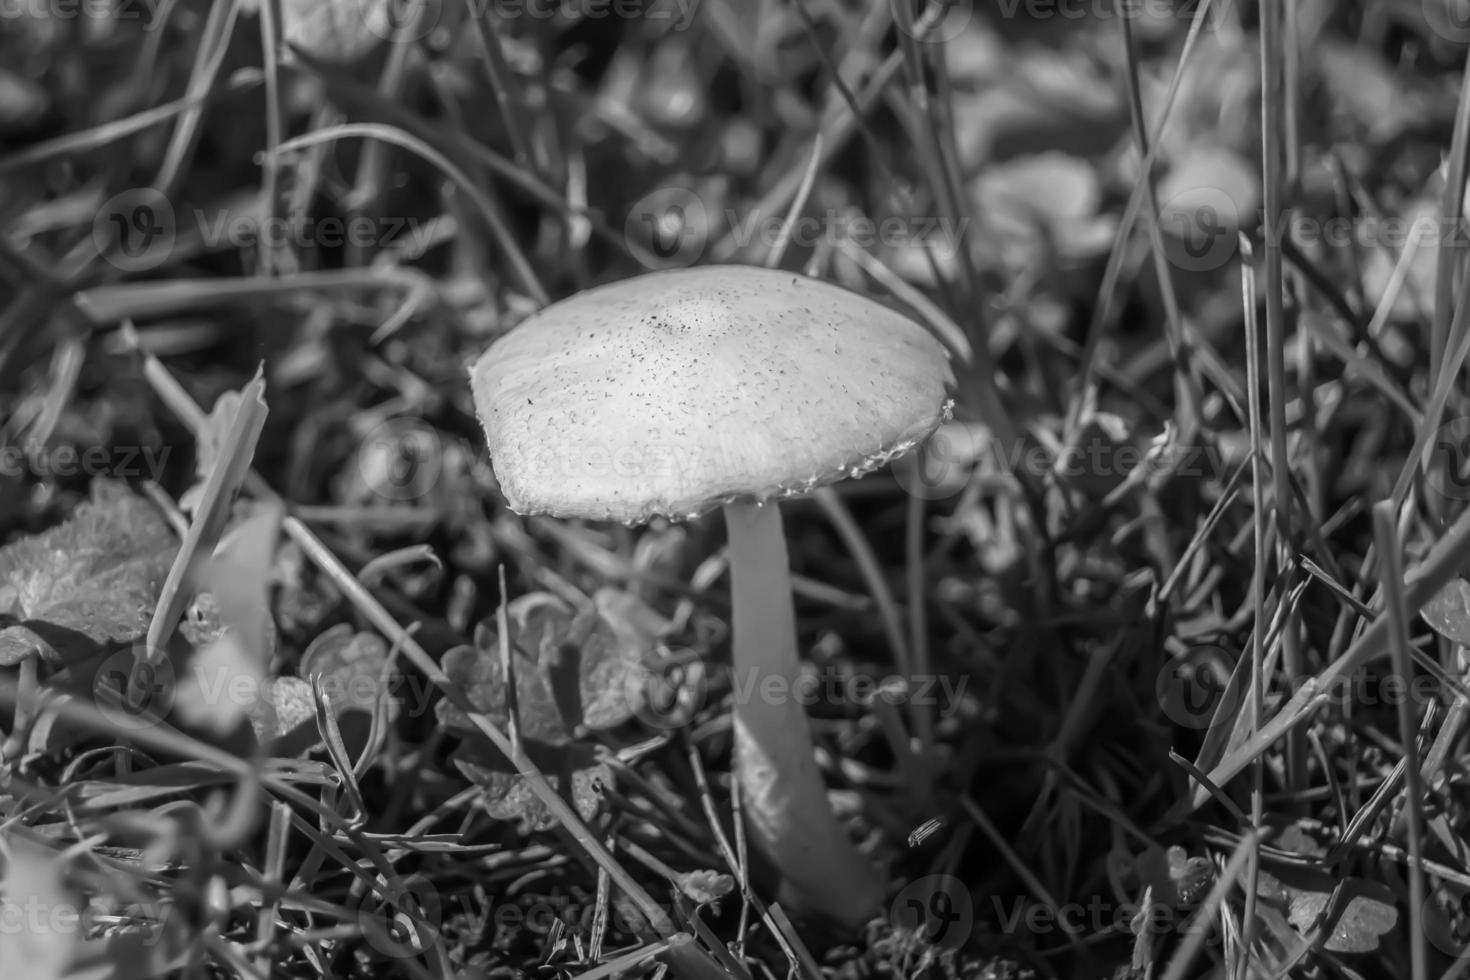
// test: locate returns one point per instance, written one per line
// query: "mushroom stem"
(785, 800)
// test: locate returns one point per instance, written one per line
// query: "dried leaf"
(88, 582)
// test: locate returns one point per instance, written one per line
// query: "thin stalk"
(785, 799)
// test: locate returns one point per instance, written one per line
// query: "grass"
(1148, 665)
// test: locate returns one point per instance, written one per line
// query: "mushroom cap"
(672, 393)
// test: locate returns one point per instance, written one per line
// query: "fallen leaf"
(90, 581)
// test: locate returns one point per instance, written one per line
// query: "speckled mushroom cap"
(676, 392)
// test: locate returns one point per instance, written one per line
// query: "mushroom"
(673, 393)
